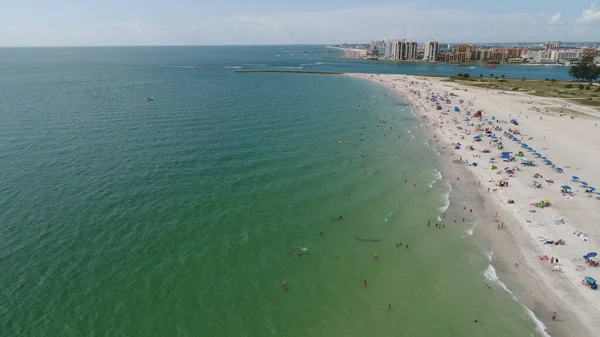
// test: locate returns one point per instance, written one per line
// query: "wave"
(446, 198)
(288, 67)
(252, 64)
(183, 67)
(490, 274)
(233, 67)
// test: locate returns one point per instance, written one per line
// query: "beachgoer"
(475, 319)
(406, 246)
(321, 234)
(556, 260)
(389, 306)
(554, 316)
(365, 283)
(516, 265)
(488, 287)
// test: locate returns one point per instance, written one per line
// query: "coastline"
(533, 283)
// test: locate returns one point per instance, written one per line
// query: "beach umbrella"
(591, 188)
(575, 178)
(518, 140)
(565, 187)
(544, 158)
(535, 182)
(583, 183)
(559, 170)
(538, 155)
(480, 135)
(591, 254)
(589, 279)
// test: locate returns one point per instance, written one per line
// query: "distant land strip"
(291, 71)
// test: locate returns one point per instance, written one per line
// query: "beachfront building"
(568, 55)
(461, 53)
(402, 50)
(430, 51)
(515, 60)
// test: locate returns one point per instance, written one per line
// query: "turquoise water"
(175, 217)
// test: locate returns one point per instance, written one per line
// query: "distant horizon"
(282, 44)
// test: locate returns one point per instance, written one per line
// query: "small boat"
(489, 65)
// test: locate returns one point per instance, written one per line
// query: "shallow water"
(175, 217)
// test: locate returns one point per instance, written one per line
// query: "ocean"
(183, 215)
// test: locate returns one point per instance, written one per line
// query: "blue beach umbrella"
(544, 158)
(589, 279)
(592, 189)
(583, 183)
(565, 187)
(559, 170)
(575, 178)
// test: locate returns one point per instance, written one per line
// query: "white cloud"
(555, 19)
(590, 15)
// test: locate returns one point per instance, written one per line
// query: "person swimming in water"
(365, 283)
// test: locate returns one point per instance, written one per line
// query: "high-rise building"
(463, 52)
(431, 51)
(552, 45)
(402, 50)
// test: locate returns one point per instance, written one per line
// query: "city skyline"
(270, 22)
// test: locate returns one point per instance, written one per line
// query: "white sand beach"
(570, 143)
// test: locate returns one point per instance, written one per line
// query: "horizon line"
(266, 44)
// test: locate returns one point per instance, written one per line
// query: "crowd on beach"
(489, 142)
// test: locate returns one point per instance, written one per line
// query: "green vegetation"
(538, 87)
(585, 70)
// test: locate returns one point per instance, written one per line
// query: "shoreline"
(533, 283)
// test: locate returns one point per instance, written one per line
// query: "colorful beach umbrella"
(575, 178)
(565, 187)
(589, 279)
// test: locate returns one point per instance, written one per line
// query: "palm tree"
(480, 75)
(502, 76)
(491, 75)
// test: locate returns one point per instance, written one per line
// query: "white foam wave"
(490, 274)
(183, 67)
(289, 67)
(233, 67)
(469, 232)
(446, 199)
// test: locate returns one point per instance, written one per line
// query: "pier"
(291, 71)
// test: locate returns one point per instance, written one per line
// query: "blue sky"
(222, 22)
